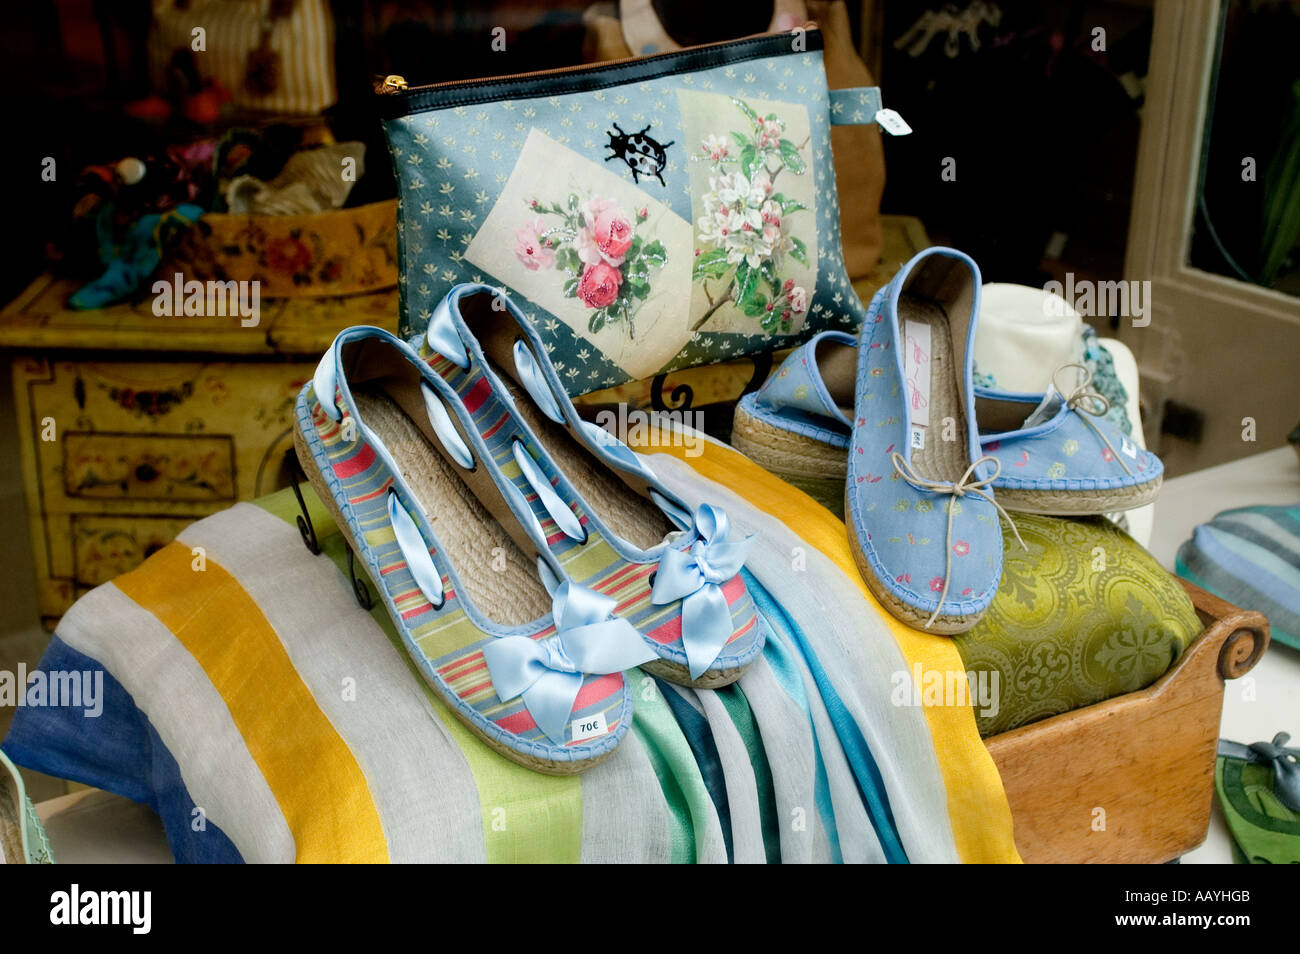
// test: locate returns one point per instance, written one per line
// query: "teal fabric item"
(1250, 557)
(1106, 380)
(870, 785)
(778, 656)
(733, 700)
(129, 260)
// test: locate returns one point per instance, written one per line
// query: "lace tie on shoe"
(1086, 400)
(955, 489)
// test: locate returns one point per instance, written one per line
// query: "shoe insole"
(997, 416)
(838, 365)
(473, 540)
(626, 513)
(938, 459)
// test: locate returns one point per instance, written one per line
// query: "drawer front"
(116, 466)
(117, 457)
(104, 547)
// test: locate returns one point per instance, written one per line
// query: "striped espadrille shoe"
(528, 661)
(608, 521)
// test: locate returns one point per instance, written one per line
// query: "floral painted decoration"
(597, 246)
(744, 236)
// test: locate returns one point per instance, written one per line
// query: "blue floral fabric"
(901, 530)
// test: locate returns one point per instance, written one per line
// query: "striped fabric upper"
(596, 562)
(1251, 557)
(446, 642)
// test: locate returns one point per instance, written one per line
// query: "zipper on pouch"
(396, 86)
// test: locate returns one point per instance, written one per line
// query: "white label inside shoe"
(916, 368)
(1128, 448)
(918, 438)
(1046, 410)
(891, 122)
(589, 727)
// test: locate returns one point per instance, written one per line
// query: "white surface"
(1272, 477)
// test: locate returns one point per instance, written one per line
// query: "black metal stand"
(308, 532)
(359, 588)
(305, 527)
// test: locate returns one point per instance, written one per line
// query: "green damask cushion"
(1085, 615)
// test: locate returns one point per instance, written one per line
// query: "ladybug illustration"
(643, 155)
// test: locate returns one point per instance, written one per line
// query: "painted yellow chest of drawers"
(132, 426)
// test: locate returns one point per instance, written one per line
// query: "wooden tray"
(1131, 779)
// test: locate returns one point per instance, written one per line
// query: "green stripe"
(679, 776)
(742, 717)
(528, 818)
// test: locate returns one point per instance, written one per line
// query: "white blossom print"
(755, 253)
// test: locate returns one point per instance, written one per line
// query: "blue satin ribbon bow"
(695, 577)
(548, 672)
(1286, 770)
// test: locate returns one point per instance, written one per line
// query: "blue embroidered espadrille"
(1061, 454)
(918, 500)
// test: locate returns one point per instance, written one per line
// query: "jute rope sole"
(815, 468)
(1079, 503)
(785, 452)
(319, 484)
(679, 674)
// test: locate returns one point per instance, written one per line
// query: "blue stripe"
(699, 736)
(779, 658)
(871, 786)
(118, 751)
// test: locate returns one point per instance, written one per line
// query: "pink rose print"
(936, 585)
(599, 285)
(608, 233)
(604, 255)
(961, 548)
(531, 249)
(798, 299)
(584, 243)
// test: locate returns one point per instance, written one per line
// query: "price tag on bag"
(891, 122)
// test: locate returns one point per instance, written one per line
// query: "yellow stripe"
(311, 771)
(977, 802)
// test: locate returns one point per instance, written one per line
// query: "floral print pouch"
(647, 215)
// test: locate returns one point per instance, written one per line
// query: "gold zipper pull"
(392, 84)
